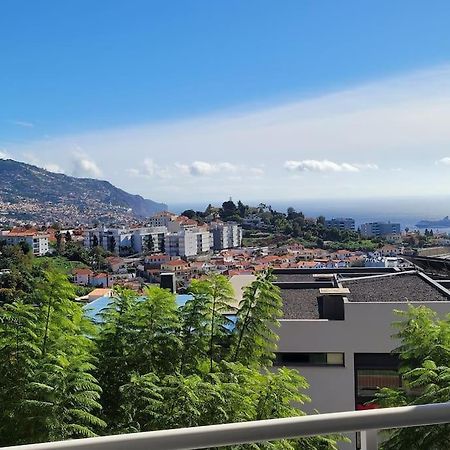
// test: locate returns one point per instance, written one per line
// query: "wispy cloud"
(22, 123)
(31, 158)
(396, 123)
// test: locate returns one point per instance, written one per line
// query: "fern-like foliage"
(47, 388)
(257, 316)
(424, 352)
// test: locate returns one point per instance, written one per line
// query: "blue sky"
(181, 98)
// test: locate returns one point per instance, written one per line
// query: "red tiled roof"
(176, 262)
(83, 271)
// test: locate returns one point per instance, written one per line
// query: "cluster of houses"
(135, 271)
(171, 243)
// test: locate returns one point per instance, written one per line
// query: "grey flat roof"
(300, 303)
(303, 303)
(395, 288)
(294, 277)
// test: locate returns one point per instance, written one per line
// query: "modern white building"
(337, 329)
(149, 239)
(188, 243)
(38, 242)
(377, 229)
(126, 240)
(226, 235)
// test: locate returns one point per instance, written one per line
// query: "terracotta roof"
(82, 271)
(101, 275)
(176, 262)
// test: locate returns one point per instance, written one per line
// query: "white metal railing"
(262, 430)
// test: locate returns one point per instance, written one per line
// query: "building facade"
(226, 235)
(341, 223)
(377, 229)
(337, 330)
(37, 242)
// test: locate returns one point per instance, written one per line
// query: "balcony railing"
(264, 430)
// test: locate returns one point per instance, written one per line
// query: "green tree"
(257, 315)
(162, 367)
(424, 354)
(19, 354)
(217, 294)
(59, 241)
(228, 209)
(52, 392)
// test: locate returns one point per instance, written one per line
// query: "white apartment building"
(141, 237)
(188, 243)
(38, 242)
(226, 235)
(337, 327)
(126, 240)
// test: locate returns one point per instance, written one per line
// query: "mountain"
(30, 193)
(443, 223)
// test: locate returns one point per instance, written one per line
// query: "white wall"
(367, 328)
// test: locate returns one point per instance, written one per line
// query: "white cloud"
(401, 122)
(207, 169)
(83, 166)
(445, 161)
(150, 169)
(312, 165)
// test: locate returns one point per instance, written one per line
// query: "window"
(374, 371)
(369, 380)
(309, 359)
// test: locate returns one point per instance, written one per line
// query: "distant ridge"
(30, 193)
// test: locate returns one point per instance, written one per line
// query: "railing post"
(369, 440)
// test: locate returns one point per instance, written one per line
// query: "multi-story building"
(337, 329)
(341, 223)
(149, 239)
(127, 240)
(161, 219)
(226, 235)
(188, 243)
(38, 242)
(377, 229)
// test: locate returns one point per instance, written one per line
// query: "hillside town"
(137, 255)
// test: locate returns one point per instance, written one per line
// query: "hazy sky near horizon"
(198, 100)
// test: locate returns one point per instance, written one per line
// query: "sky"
(197, 100)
